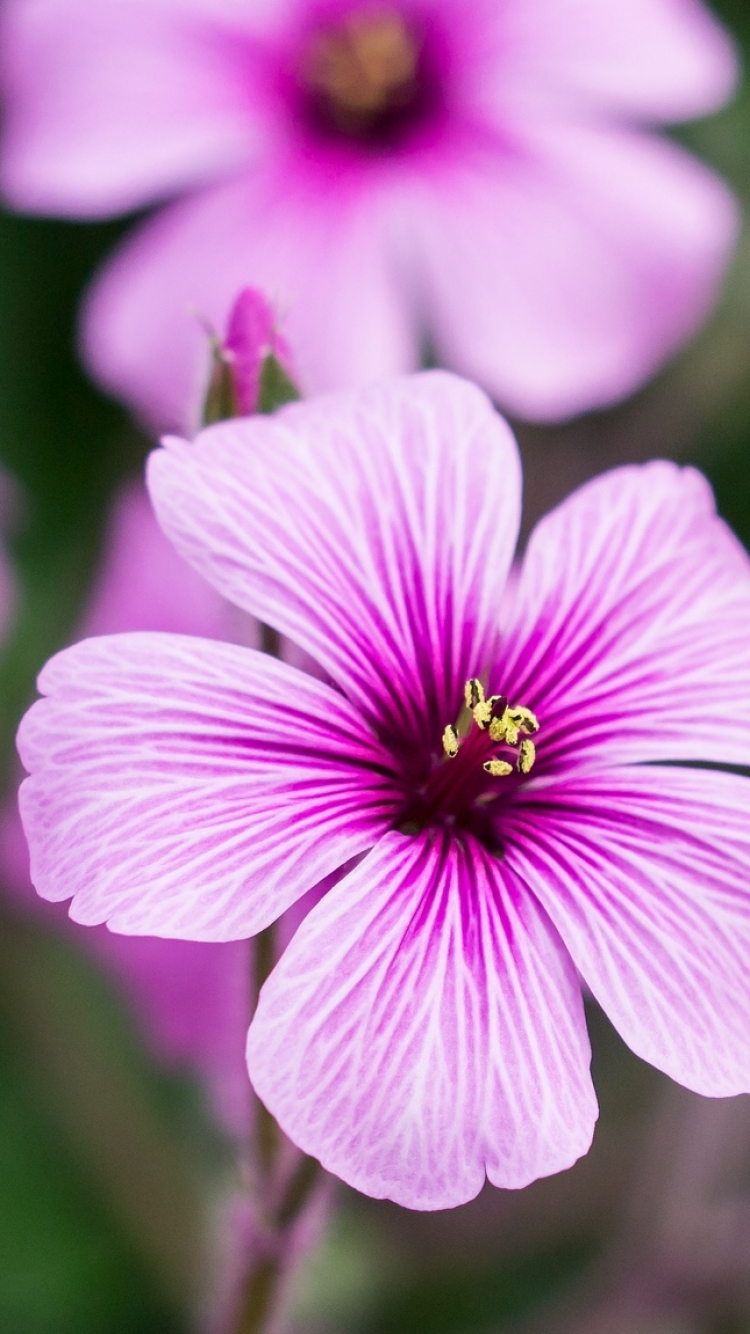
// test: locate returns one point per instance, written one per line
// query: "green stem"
(280, 1202)
(270, 641)
(259, 1299)
(265, 1274)
(264, 952)
(299, 1188)
(266, 1129)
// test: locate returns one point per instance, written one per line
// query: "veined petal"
(374, 528)
(645, 872)
(629, 629)
(187, 788)
(319, 256)
(425, 1027)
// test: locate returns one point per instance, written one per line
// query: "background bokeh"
(111, 1166)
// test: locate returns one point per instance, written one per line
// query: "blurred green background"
(108, 1165)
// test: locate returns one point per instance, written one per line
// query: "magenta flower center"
(365, 77)
(488, 748)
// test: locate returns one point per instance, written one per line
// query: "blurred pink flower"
(473, 173)
(425, 1024)
(191, 1001)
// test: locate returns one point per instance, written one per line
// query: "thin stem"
(264, 1277)
(260, 1296)
(266, 1129)
(299, 1188)
(280, 1202)
(270, 641)
(264, 958)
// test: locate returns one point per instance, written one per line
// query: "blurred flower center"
(364, 75)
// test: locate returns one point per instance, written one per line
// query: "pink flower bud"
(251, 370)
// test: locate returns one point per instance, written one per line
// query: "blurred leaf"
(481, 1301)
(67, 1263)
(135, 1143)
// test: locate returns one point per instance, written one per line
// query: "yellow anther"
(484, 710)
(497, 768)
(525, 720)
(506, 726)
(510, 730)
(450, 742)
(482, 714)
(526, 757)
(499, 728)
(473, 693)
(517, 721)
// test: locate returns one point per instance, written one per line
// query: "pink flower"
(477, 173)
(425, 1025)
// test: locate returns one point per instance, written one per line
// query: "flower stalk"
(249, 376)
(284, 1183)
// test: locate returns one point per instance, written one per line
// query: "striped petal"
(629, 630)
(182, 787)
(424, 1029)
(375, 529)
(645, 873)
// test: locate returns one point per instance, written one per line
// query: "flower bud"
(250, 372)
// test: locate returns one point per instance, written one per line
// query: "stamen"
(450, 741)
(497, 768)
(484, 711)
(526, 757)
(499, 728)
(516, 721)
(473, 693)
(506, 726)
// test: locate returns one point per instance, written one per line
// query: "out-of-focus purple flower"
(472, 172)
(425, 1025)
(252, 353)
(191, 1000)
(143, 584)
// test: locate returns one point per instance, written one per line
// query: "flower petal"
(565, 265)
(654, 59)
(374, 528)
(645, 873)
(189, 788)
(110, 106)
(629, 629)
(424, 1027)
(318, 255)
